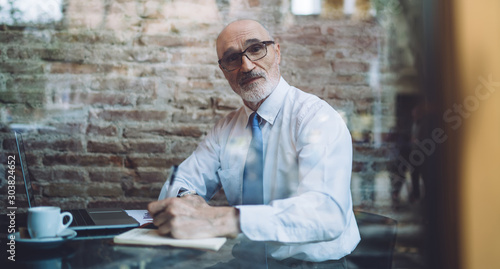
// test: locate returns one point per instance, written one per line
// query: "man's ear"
(278, 52)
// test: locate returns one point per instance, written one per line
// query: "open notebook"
(150, 237)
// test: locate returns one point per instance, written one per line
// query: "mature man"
(285, 169)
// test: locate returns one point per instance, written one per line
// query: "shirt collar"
(269, 109)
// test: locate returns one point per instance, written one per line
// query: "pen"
(173, 172)
(182, 191)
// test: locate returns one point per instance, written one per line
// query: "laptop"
(106, 219)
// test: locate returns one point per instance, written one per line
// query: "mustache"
(251, 75)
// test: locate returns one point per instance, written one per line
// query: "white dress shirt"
(307, 212)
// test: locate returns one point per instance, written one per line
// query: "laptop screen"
(24, 169)
(111, 220)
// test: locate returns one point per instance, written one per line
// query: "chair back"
(378, 237)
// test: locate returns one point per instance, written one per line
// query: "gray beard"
(258, 91)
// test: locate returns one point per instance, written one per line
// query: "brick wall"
(118, 91)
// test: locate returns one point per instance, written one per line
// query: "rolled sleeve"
(198, 171)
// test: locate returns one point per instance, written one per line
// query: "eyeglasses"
(255, 52)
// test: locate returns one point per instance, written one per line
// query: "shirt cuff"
(252, 224)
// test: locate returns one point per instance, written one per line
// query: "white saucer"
(45, 243)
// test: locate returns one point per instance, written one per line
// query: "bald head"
(237, 35)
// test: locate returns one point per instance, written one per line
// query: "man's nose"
(246, 64)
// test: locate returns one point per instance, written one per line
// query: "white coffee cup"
(47, 221)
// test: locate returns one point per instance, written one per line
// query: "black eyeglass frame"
(243, 53)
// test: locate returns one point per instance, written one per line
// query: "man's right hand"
(191, 217)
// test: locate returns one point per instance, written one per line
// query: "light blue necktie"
(253, 188)
(253, 194)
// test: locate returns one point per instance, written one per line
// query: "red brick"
(132, 115)
(33, 159)
(145, 147)
(23, 67)
(349, 92)
(194, 72)
(339, 55)
(198, 116)
(158, 162)
(366, 28)
(100, 98)
(105, 189)
(145, 86)
(172, 41)
(151, 175)
(353, 79)
(143, 132)
(201, 84)
(109, 130)
(147, 55)
(145, 100)
(105, 147)
(301, 30)
(308, 64)
(64, 190)
(143, 191)
(347, 67)
(74, 54)
(63, 128)
(71, 175)
(177, 130)
(183, 147)
(307, 40)
(14, 36)
(147, 71)
(28, 83)
(37, 188)
(316, 90)
(82, 160)
(364, 42)
(90, 37)
(186, 131)
(200, 56)
(112, 175)
(189, 98)
(35, 99)
(254, 3)
(38, 174)
(75, 68)
(57, 145)
(9, 144)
